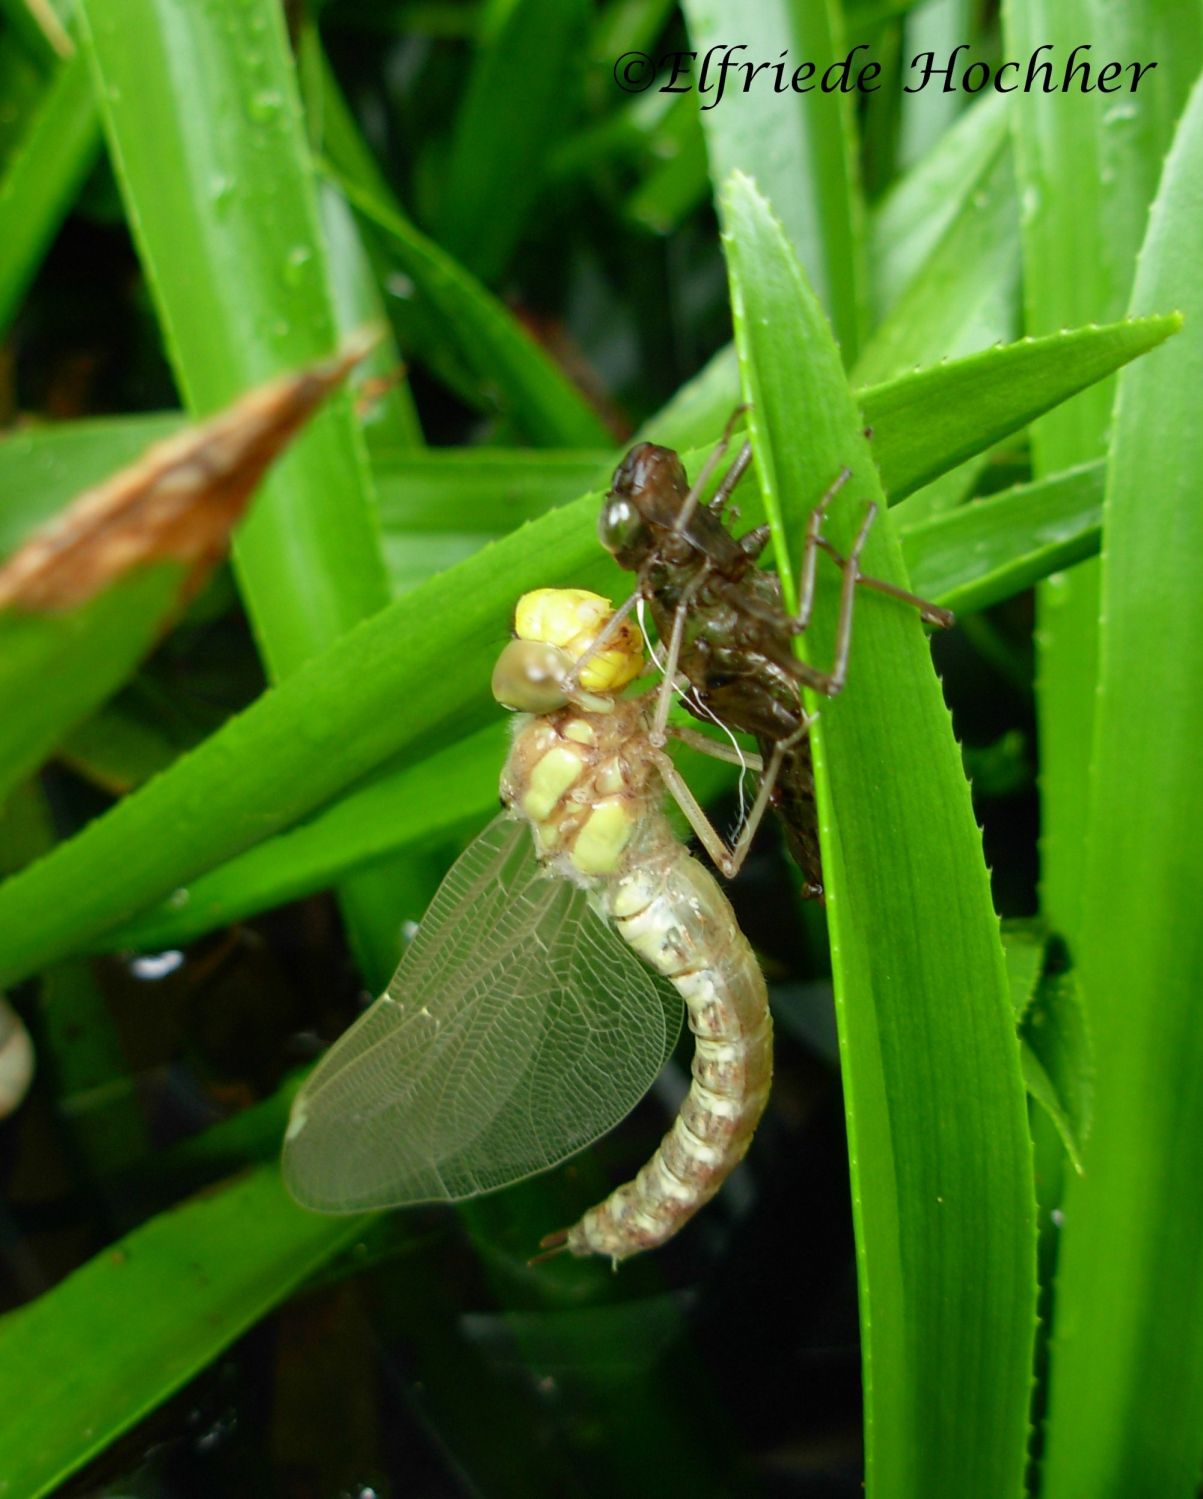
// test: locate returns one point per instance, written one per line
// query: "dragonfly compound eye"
(621, 529)
(530, 676)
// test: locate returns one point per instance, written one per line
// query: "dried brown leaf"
(178, 502)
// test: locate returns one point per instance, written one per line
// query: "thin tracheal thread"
(690, 695)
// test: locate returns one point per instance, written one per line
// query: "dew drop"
(1117, 113)
(296, 266)
(157, 965)
(264, 105)
(221, 190)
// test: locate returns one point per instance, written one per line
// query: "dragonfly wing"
(518, 1028)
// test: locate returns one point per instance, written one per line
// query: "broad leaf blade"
(992, 548)
(1127, 1380)
(227, 226)
(488, 337)
(931, 1069)
(40, 183)
(180, 1289)
(84, 597)
(496, 169)
(800, 146)
(1087, 164)
(926, 423)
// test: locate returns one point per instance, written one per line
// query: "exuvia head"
(553, 660)
(648, 489)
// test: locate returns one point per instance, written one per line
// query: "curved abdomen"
(672, 912)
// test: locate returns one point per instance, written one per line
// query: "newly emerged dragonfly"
(530, 1013)
(724, 625)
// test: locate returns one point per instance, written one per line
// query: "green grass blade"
(41, 181)
(677, 179)
(428, 800)
(1025, 943)
(488, 490)
(926, 423)
(932, 26)
(204, 125)
(390, 414)
(964, 295)
(801, 148)
(54, 669)
(496, 170)
(439, 507)
(913, 222)
(995, 547)
(335, 137)
(623, 25)
(946, 1248)
(355, 288)
(123, 744)
(544, 402)
(180, 1289)
(43, 468)
(1126, 1407)
(923, 423)
(1058, 1064)
(1087, 167)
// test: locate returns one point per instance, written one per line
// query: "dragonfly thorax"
(585, 782)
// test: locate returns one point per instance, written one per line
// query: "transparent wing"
(518, 1028)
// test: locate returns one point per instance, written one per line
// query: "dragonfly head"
(554, 660)
(647, 492)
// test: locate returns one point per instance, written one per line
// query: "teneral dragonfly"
(521, 1025)
(724, 624)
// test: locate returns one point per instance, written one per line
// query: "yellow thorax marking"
(600, 842)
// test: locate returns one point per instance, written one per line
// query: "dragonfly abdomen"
(672, 912)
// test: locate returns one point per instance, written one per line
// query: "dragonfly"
(724, 625)
(542, 993)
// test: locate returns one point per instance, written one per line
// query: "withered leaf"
(177, 502)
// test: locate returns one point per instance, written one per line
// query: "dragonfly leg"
(832, 682)
(728, 753)
(728, 859)
(731, 478)
(691, 500)
(934, 614)
(810, 550)
(672, 657)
